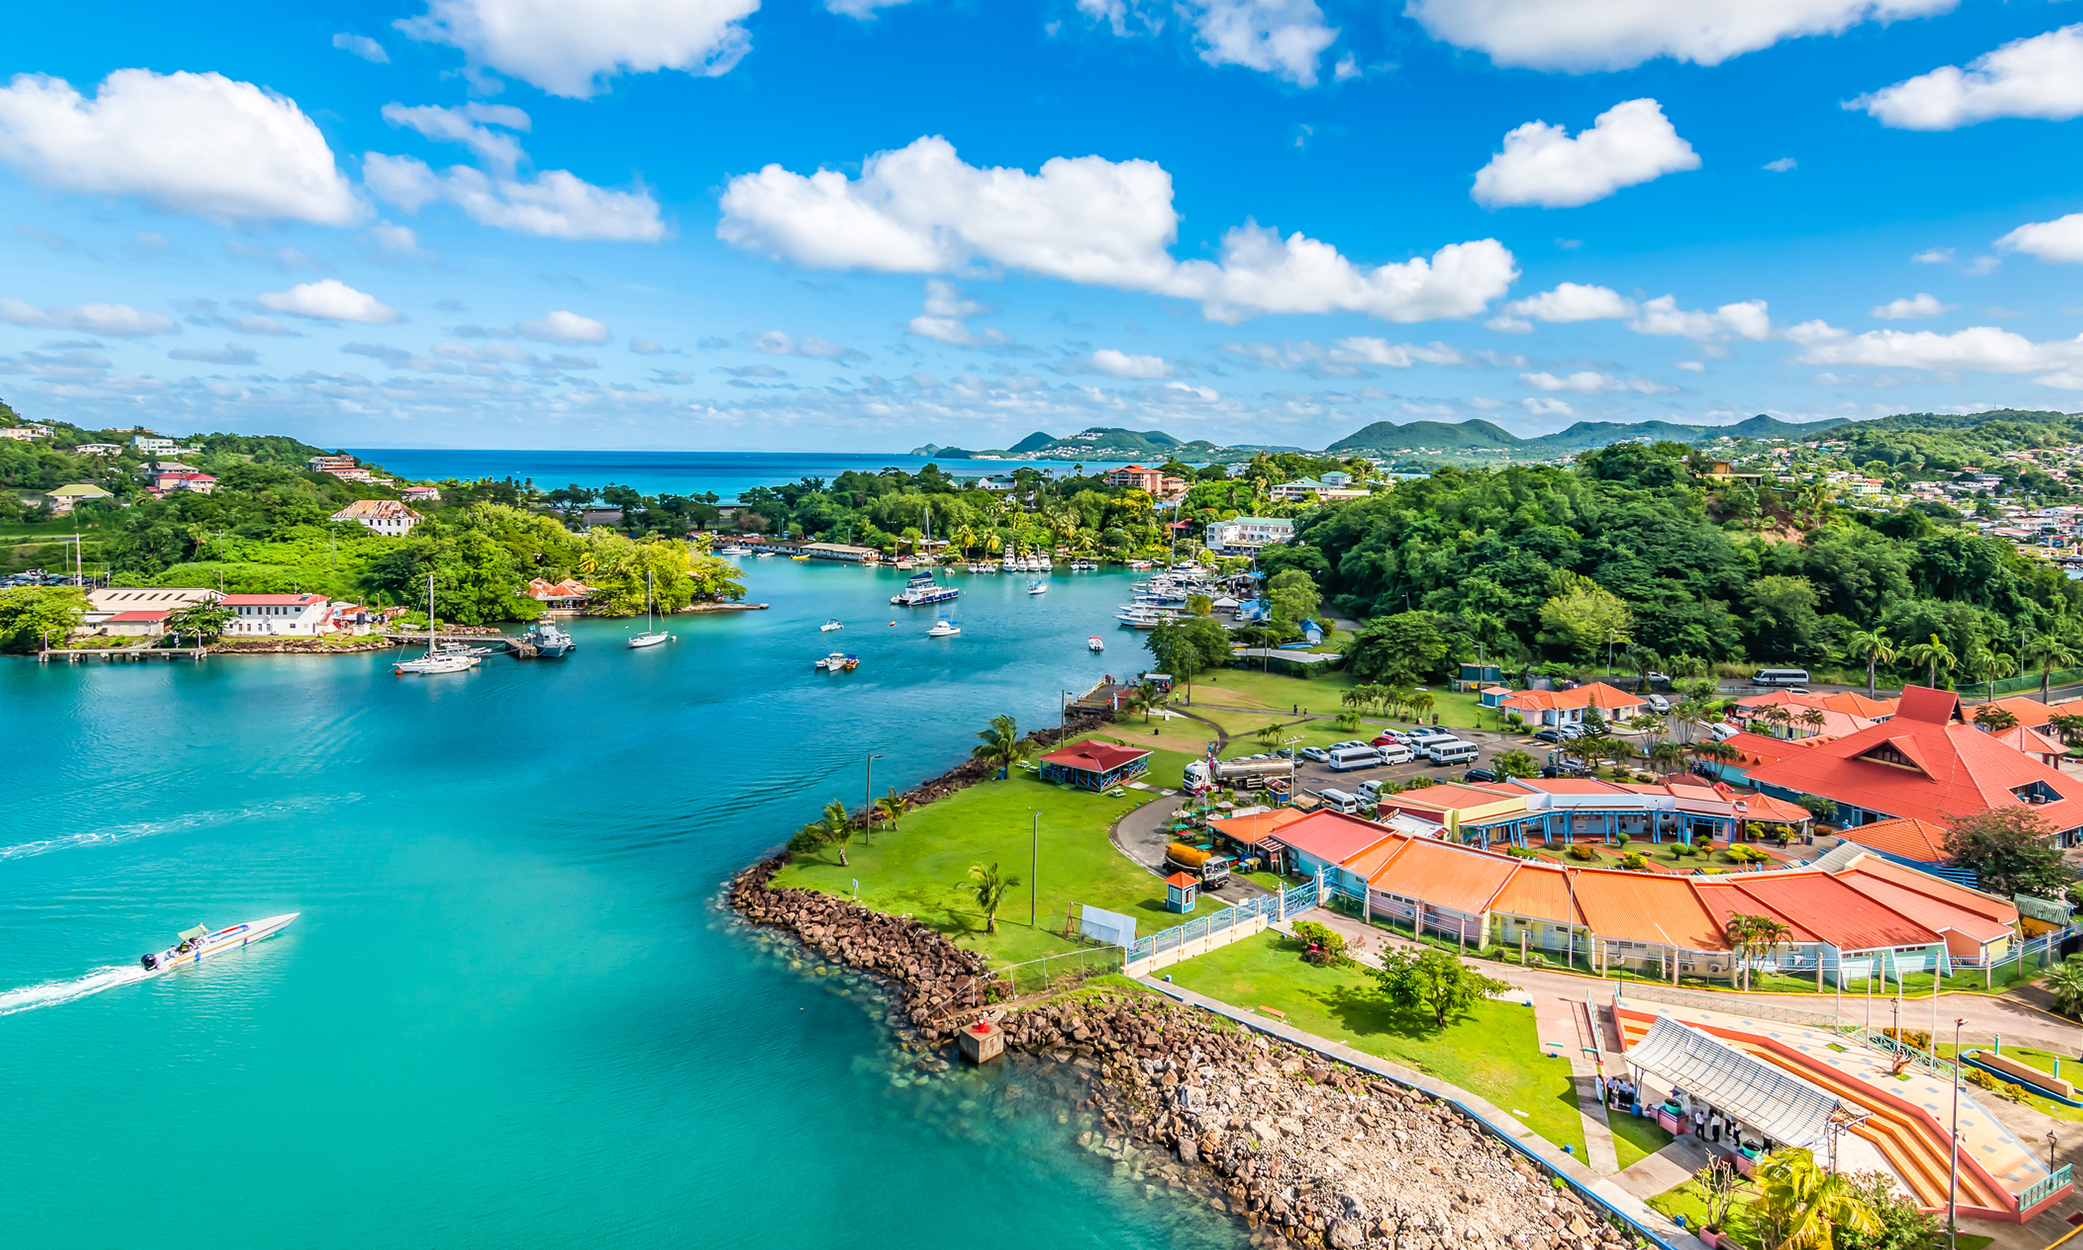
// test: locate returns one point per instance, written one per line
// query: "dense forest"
(1630, 550)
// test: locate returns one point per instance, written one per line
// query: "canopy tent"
(1777, 1104)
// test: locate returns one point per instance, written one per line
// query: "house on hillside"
(388, 517)
(1246, 534)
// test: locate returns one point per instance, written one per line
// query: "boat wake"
(53, 993)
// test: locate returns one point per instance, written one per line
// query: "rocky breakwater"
(938, 983)
(1304, 1149)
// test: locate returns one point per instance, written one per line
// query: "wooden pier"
(147, 650)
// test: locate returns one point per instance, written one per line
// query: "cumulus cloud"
(1782, 165)
(1350, 357)
(1285, 38)
(2058, 240)
(233, 354)
(113, 320)
(645, 347)
(1116, 364)
(555, 204)
(1691, 366)
(921, 209)
(572, 50)
(362, 46)
(777, 343)
(1982, 348)
(1588, 382)
(1630, 143)
(1569, 301)
(946, 313)
(2037, 77)
(467, 124)
(1933, 256)
(563, 326)
(200, 144)
(1918, 305)
(203, 312)
(1583, 35)
(1662, 315)
(330, 300)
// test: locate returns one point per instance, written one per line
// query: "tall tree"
(1000, 744)
(2010, 850)
(1434, 982)
(2047, 652)
(1802, 1207)
(1932, 656)
(1873, 648)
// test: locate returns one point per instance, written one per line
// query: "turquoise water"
(728, 473)
(511, 1013)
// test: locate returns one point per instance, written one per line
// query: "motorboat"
(549, 642)
(1138, 617)
(1095, 643)
(922, 590)
(439, 659)
(829, 626)
(1038, 588)
(838, 662)
(943, 628)
(735, 550)
(652, 635)
(200, 943)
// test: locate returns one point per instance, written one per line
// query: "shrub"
(1522, 852)
(1325, 946)
(1583, 853)
(1634, 860)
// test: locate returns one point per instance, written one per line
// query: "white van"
(1396, 753)
(1370, 791)
(1340, 801)
(1355, 757)
(1451, 751)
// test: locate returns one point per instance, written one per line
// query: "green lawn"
(1685, 1201)
(2071, 1070)
(920, 869)
(1494, 1052)
(1635, 1138)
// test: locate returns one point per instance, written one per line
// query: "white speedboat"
(943, 628)
(829, 626)
(837, 662)
(200, 943)
(735, 550)
(1095, 643)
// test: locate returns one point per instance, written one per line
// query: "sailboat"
(1038, 588)
(652, 635)
(436, 660)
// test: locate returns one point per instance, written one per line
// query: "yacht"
(1038, 588)
(1136, 616)
(437, 660)
(922, 590)
(200, 943)
(838, 662)
(652, 635)
(550, 642)
(735, 549)
(943, 628)
(830, 625)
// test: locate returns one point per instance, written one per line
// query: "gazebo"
(1094, 765)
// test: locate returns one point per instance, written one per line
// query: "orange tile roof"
(1537, 891)
(1926, 909)
(1597, 694)
(1646, 907)
(1370, 861)
(1905, 836)
(1250, 830)
(1723, 900)
(1859, 705)
(2030, 712)
(1332, 836)
(1835, 912)
(1445, 875)
(1952, 893)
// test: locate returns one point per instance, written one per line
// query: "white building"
(99, 449)
(294, 616)
(25, 432)
(385, 516)
(150, 442)
(1249, 533)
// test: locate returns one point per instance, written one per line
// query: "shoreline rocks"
(299, 646)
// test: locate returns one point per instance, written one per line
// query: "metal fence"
(1287, 904)
(2037, 1193)
(1060, 970)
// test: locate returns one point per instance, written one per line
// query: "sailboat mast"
(430, 614)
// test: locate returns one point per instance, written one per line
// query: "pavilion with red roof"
(1094, 765)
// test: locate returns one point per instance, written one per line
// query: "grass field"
(1635, 1138)
(920, 870)
(1494, 1052)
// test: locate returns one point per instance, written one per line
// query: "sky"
(865, 225)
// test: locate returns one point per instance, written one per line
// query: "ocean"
(672, 472)
(512, 1012)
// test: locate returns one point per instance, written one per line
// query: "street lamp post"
(1953, 1173)
(1034, 871)
(868, 799)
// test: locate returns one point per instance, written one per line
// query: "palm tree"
(1800, 1206)
(1872, 646)
(2065, 982)
(837, 827)
(1421, 704)
(2048, 652)
(1812, 718)
(1268, 735)
(1666, 755)
(1931, 656)
(1514, 763)
(988, 887)
(1001, 744)
(1347, 721)
(891, 807)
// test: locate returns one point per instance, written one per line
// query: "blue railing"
(2046, 1189)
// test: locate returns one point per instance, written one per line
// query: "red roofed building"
(139, 624)
(1094, 765)
(1567, 707)
(1928, 763)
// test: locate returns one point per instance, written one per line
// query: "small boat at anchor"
(549, 642)
(837, 662)
(830, 625)
(943, 628)
(448, 658)
(1095, 643)
(200, 943)
(652, 635)
(1037, 588)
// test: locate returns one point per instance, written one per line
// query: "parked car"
(1317, 754)
(1570, 731)
(1653, 678)
(1481, 774)
(1347, 745)
(1563, 768)
(1419, 736)
(1658, 704)
(1722, 731)
(1388, 740)
(1548, 736)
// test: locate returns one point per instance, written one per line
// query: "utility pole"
(1034, 871)
(1953, 1174)
(868, 799)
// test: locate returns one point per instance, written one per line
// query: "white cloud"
(776, 343)
(1572, 301)
(233, 354)
(1543, 406)
(1782, 165)
(555, 204)
(861, 10)
(2058, 240)
(1982, 265)
(1588, 382)
(1918, 305)
(1351, 357)
(200, 144)
(2037, 77)
(462, 125)
(1581, 35)
(396, 241)
(1122, 365)
(1933, 256)
(362, 46)
(645, 347)
(1691, 366)
(946, 311)
(1394, 355)
(1982, 348)
(920, 209)
(1285, 38)
(114, 320)
(1663, 316)
(564, 327)
(572, 49)
(330, 300)
(1632, 142)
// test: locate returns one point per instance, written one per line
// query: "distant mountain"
(1033, 442)
(1480, 435)
(1434, 435)
(1102, 444)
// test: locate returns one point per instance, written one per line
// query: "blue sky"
(865, 225)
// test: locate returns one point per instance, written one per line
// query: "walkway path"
(1504, 1125)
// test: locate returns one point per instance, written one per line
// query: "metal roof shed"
(1777, 1104)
